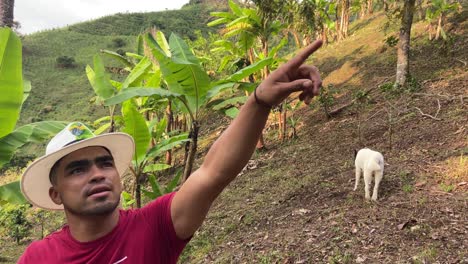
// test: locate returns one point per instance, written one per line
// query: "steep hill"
(63, 93)
(294, 203)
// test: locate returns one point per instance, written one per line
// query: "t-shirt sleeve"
(158, 215)
(30, 255)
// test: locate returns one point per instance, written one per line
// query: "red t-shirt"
(143, 235)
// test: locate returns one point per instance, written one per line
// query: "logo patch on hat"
(80, 131)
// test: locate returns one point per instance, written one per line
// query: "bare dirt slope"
(295, 204)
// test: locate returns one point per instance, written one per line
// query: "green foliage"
(157, 190)
(65, 62)
(32, 133)
(446, 187)
(181, 22)
(11, 194)
(327, 98)
(391, 90)
(437, 11)
(127, 200)
(11, 79)
(412, 85)
(13, 222)
(118, 43)
(17, 161)
(391, 41)
(408, 188)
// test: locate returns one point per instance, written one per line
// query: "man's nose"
(96, 174)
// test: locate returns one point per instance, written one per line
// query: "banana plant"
(136, 125)
(438, 10)
(15, 91)
(184, 75)
(11, 80)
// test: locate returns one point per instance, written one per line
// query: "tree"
(404, 43)
(438, 11)
(344, 22)
(247, 26)
(6, 13)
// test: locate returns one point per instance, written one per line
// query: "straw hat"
(35, 182)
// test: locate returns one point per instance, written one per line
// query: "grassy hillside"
(63, 94)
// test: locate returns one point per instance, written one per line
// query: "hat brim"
(35, 183)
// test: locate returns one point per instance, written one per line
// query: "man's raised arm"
(233, 149)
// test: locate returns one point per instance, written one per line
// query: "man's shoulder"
(46, 241)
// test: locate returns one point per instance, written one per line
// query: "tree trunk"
(344, 19)
(260, 143)
(296, 38)
(362, 12)
(265, 53)
(285, 129)
(138, 194)
(404, 43)
(170, 120)
(370, 6)
(324, 36)
(192, 151)
(6, 13)
(439, 27)
(280, 122)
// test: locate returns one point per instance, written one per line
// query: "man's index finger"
(300, 58)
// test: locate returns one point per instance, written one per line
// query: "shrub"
(118, 43)
(65, 62)
(13, 222)
(391, 41)
(121, 52)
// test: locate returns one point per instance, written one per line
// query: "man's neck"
(89, 228)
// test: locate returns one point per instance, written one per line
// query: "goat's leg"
(378, 178)
(367, 182)
(358, 175)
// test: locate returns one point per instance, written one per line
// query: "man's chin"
(97, 208)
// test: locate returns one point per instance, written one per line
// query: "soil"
(294, 202)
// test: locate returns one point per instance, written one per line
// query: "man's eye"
(77, 171)
(108, 164)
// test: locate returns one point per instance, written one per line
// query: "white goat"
(371, 163)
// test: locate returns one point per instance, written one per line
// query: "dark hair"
(53, 172)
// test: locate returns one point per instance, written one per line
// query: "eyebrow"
(86, 162)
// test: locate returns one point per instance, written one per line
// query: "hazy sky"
(35, 15)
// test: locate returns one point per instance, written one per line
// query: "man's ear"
(55, 196)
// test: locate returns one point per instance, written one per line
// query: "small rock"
(360, 259)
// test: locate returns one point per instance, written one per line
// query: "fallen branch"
(373, 115)
(462, 61)
(427, 115)
(432, 80)
(447, 97)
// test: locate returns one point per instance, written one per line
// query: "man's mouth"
(99, 191)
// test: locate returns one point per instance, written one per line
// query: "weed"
(391, 41)
(340, 258)
(422, 200)
(407, 188)
(270, 257)
(428, 255)
(446, 187)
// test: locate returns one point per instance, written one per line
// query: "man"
(80, 173)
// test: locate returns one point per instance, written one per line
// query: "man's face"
(87, 182)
